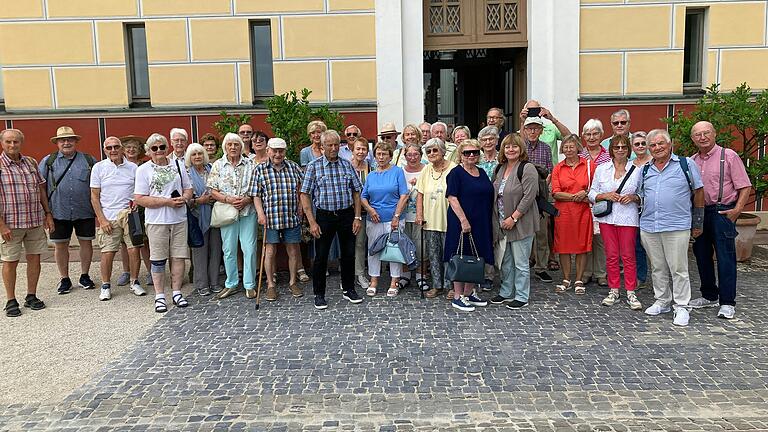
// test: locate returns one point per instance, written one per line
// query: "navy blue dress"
(475, 194)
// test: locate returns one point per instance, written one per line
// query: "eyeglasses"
(432, 150)
(179, 140)
(494, 117)
(640, 143)
(471, 152)
(621, 148)
(702, 134)
(247, 132)
(351, 134)
(620, 122)
(388, 137)
(161, 147)
(260, 139)
(114, 147)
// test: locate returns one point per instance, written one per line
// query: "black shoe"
(65, 286)
(320, 303)
(86, 282)
(499, 300)
(12, 308)
(350, 295)
(487, 285)
(544, 277)
(34, 303)
(517, 304)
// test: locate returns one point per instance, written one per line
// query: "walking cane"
(261, 266)
(423, 274)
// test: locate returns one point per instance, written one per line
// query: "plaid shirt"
(278, 190)
(540, 153)
(20, 192)
(330, 184)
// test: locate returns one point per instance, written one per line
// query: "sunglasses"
(471, 152)
(621, 148)
(432, 150)
(351, 134)
(161, 147)
(620, 122)
(640, 143)
(110, 148)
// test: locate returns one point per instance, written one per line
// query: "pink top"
(734, 173)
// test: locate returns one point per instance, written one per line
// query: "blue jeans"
(719, 236)
(641, 260)
(245, 231)
(516, 270)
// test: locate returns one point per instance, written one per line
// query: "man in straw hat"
(67, 174)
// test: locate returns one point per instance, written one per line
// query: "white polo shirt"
(116, 183)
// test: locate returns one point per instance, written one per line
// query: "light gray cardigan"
(520, 196)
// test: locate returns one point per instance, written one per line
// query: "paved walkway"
(563, 364)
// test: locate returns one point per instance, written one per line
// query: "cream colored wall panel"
(329, 36)
(27, 89)
(194, 84)
(600, 74)
(601, 1)
(625, 27)
(46, 43)
(344, 5)
(278, 6)
(679, 26)
(111, 37)
(91, 8)
(353, 80)
(274, 24)
(13, 9)
(91, 87)
(655, 72)
(744, 65)
(166, 40)
(185, 7)
(246, 84)
(298, 75)
(711, 68)
(736, 24)
(220, 39)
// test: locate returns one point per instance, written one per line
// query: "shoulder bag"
(466, 268)
(195, 237)
(604, 208)
(391, 252)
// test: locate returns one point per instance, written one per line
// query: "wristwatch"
(513, 218)
(358, 218)
(397, 215)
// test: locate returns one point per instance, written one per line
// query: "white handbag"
(223, 214)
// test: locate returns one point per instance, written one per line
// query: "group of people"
(515, 199)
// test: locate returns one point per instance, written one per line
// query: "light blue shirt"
(667, 196)
(383, 190)
(72, 198)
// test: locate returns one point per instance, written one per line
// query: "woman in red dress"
(573, 228)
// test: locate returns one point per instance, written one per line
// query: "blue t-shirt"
(383, 190)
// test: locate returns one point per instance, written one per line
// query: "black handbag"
(466, 268)
(136, 228)
(195, 237)
(604, 208)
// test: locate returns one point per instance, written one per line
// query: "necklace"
(434, 169)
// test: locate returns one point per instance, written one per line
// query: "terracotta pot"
(746, 226)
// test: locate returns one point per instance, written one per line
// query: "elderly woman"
(258, 147)
(516, 217)
(592, 132)
(459, 134)
(432, 211)
(362, 169)
(573, 228)
(619, 228)
(412, 169)
(163, 188)
(411, 135)
(211, 145)
(642, 157)
(470, 196)
(313, 150)
(179, 140)
(489, 140)
(231, 182)
(207, 258)
(384, 196)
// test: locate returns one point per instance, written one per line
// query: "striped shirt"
(278, 190)
(20, 192)
(601, 158)
(331, 184)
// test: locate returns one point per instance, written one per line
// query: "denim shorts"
(286, 235)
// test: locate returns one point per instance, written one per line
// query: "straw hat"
(65, 132)
(388, 128)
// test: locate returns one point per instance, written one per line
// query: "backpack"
(541, 196)
(686, 170)
(49, 165)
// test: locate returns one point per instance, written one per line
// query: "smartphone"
(175, 194)
(534, 112)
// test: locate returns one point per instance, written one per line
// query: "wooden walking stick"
(261, 266)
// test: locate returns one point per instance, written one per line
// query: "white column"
(399, 62)
(553, 58)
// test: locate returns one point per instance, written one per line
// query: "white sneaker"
(681, 316)
(363, 282)
(658, 308)
(701, 302)
(632, 301)
(613, 296)
(137, 289)
(106, 292)
(726, 311)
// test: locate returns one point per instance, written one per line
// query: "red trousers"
(619, 241)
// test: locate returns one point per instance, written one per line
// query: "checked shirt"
(330, 184)
(278, 190)
(20, 192)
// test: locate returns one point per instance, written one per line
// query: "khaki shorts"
(120, 234)
(167, 241)
(33, 240)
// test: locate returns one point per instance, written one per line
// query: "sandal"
(160, 306)
(565, 286)
(422, 284)
(12, 308)
(371, 291)
(553, 265)
(579, 288)
(393, 291)
(403, 282)
(303, 275)
(180, 301)
(33, 302)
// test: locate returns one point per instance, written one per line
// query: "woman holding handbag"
(614, 194)
(470, 196)
(231, 185)
(362, 169)
(384, 196)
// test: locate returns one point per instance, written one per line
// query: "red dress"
(573, 228)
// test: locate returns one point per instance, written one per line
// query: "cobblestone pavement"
(563, 364)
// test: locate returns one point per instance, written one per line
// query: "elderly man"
(276, 196)
(112, 183)
(553, 130)
(425, 132)
(726, 191)
(23, 214)
(179, 141)
(331, 184)
(667, 186)
(440, 130)
(66, 172)
(620, 125)
(495, 118)
(539, 154)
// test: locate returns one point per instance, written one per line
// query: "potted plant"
(741, 119)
